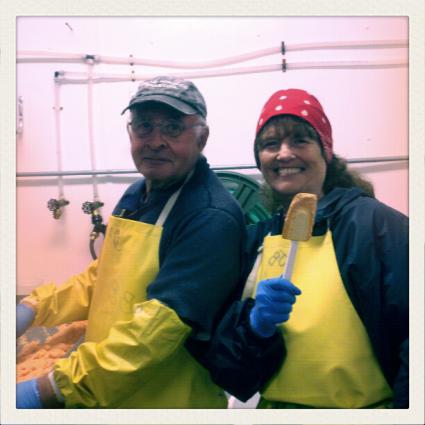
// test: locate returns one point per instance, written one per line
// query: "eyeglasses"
(168, 128)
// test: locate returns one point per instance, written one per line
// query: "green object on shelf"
(246, 191)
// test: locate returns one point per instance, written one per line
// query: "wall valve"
(56, 206)
(90, 207)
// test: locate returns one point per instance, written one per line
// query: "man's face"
(165, 144)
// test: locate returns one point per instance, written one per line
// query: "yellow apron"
(134, 355)
(329, 362)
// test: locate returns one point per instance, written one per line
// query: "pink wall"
(367, 108)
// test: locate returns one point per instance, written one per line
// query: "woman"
(345, 344)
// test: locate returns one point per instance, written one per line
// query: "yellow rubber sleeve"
(68, 302)
(105, 373)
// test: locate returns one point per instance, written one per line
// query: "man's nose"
(156, 139)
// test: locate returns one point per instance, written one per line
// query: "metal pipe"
(224, 167)
(73, 77)
(58, 111)
(90, 65)
(27, 56)
(381, 159)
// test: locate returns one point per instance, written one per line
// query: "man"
(169, 263)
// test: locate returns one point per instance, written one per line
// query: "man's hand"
(24, 317)
(273, 304)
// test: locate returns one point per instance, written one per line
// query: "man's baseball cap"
(180, 94)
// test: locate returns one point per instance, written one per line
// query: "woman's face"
(291, 159)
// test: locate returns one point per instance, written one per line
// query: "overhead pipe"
(27, 56)
(215, 168)
(82, 78)
(343, 45)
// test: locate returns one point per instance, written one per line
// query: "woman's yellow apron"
(120, 319)
(329, 362)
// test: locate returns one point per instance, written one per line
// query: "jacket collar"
(332, 203)
(131, 199)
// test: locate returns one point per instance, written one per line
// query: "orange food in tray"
(36, 358)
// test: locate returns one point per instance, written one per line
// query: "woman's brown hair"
(337, 172)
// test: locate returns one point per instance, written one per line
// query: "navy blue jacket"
(200, 249)
(371, 247)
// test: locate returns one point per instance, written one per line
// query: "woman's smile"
(288, 171)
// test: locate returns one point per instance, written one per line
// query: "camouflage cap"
(180, 94)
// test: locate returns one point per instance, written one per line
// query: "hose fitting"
(97, 221)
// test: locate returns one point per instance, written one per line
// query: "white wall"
(367, 108)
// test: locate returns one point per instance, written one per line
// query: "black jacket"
(371, 247)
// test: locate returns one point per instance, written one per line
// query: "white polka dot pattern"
(304, 105)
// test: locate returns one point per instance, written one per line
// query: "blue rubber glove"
(24, 317)
(273, 304)
(27, 395)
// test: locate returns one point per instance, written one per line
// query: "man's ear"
(203, 137)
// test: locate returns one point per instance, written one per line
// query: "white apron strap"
(171, 201)
(250, 281)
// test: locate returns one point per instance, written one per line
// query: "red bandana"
(304, 105)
